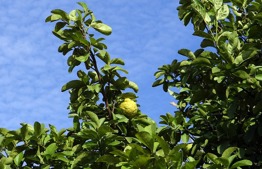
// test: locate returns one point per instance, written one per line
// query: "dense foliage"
(218, 89)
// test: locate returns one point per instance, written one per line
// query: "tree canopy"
(217, 121)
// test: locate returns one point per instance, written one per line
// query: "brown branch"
(93, 59)
(101, 82)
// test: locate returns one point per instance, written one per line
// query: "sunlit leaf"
(72, 84)
(241, 163)
(187, 53)
(133, 86)
(222, 12)
(102, 28)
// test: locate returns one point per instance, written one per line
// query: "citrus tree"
(220, 83)
(216, 124)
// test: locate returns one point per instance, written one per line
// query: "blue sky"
(146, 34)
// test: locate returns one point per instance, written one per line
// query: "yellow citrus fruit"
(128, 107)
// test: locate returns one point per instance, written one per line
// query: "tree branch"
(105, 99)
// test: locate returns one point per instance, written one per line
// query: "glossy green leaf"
(83, 5)
(187, 53)
(93, 117)
(245, 55)
(117, 61)
(222, 12)
(3, 131)
(185, 137)
(59, 25)
(158, 82)
(53, 18)
(146, 139)
(82, 58)
(73, 15)
(56, 15)
(133, 86)
(109, 159)
(259, 77)
(198, 6)
(81, 157)
(217, 4)
(102, 28)
(51, 149)
(25, 131)
(37, 128)
(72, 84)
(223, 161)
(241, 163)
(164, 145)
(212, 157)
(201, 60)
(207, 43)
(242, 74)
(120, 69)
(203, 35)
(18, 159)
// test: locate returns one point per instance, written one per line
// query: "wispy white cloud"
(146, 34)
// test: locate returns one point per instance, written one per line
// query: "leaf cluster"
(219, 85)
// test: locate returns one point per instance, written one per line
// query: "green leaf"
(198, 7)
(60, 34)
(217, 3)
(109, 159)
(241, 163)
(242, 74)
(133, 86)
(121, 69)
(37, 128)
(259, 77)
(59, 25)
(18, 159)
(187, 53)
(3, 131)
(81, 157)
(164, 145)
(53, 18)
(202, 61)
(93, 117)
(61, 157)
(146, 139)
(128, 95)
(51, 149)
(177, 159)
(76, 123)
(25, 131)
(246, 54)
(207, 43)
(117, 61)
(222, 12)
(228, 152)
(212, 157)
(203, 35)
(84, 6)
(141, 161)
(102, 28)
(56, 15)
(94, 87)
(82, 58)
(158, 82)
(73, 84)
(185, 137)
(223, 161)
(73, 15)
(191, 164)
